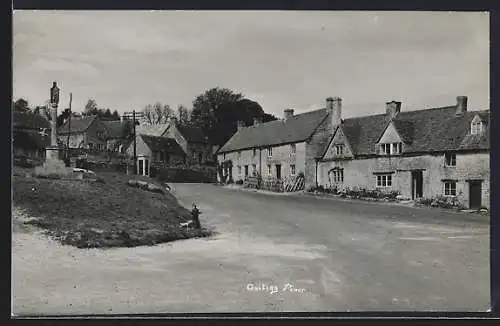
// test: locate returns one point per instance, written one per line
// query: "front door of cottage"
(475, 194)
(417, 185)
(278, 171)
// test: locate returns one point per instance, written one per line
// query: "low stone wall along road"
(272, 254)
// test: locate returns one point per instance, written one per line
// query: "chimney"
(461, 105)
(334, 109)
(392, 109)
(241, 125)
(257, 121)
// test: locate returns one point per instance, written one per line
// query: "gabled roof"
(115, 128)
(152, 130)
(162, 144)
(296, 129)
(78, 125)
(192, 134)
(28, 120)
(436, 129)
(30, 139)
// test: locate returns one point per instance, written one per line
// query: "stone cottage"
(30, 134)
(84, 132)
(170, 144)
(423, 153)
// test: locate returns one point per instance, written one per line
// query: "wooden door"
(475, 194)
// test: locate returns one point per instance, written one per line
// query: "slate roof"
(30, 139)
(192, 134)
(29, 121)
(436, 129)
(151, 130)
(78, 125)
(115, 128)
(162, 144)
(428, 130)
(298, 128)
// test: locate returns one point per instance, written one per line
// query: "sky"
(281, 59)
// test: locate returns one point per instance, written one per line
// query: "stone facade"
(259, 161)
(363, 173)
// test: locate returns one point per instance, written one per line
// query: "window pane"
(389, 180)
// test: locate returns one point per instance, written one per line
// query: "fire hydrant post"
(196, 217)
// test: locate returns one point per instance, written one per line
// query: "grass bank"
(109, 214)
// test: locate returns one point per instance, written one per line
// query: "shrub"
(441, 201)
(239, 182)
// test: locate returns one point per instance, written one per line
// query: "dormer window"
(476, 127)
(339, 149)
(391, 148)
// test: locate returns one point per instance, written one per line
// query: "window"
(339, 149)
(224, 156)
(254, 169)
(195, 155)
(337, 175)
(161, 157)
(270, 152)
(476, 127)
(269, 170)
(254, 152)
(450, 188)
(384, 180)
(292, 169)
(293, 149)
(239, 170)
(450, 159)
(246, 170)
(385, 149)
(239, 155)
(397, 148)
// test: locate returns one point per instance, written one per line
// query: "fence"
(288, 184)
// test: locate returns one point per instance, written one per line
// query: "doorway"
(278, 171)
(475, 194)
(417, 185)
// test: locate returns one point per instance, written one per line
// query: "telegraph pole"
(135, 144)
(69, 125)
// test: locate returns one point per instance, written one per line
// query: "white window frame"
(476, 128)
(254, 169)
(385, 149)
(396, 148)
(384, 180)
(269, 152)
(339, 149)
(292, 169)
(450, 159)
(337, 175)
(450, 188)
(293, 149)
(239, 170)
(269, 170)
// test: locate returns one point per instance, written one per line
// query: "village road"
(272, 253)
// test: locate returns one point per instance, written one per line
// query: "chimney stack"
(288, 113)
(334, 109)
(461, 105)
(257, 121)
(392, 109)
(241, 125)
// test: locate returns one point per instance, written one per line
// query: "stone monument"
(53, 165)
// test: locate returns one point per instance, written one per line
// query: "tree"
(183, 114)
(90, 108)
(115, 115)
(157, 113)
(21, 105)
(207, 104)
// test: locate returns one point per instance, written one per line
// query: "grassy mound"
(110, 214)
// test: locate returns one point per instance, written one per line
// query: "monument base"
(53, 165)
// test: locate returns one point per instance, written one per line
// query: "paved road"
(272, 253)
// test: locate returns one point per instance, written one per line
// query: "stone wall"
(362, 173)
(315, 144)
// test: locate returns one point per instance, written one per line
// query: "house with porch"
(87, 132)
(422, 153)
(169, 144)
(30, 134)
